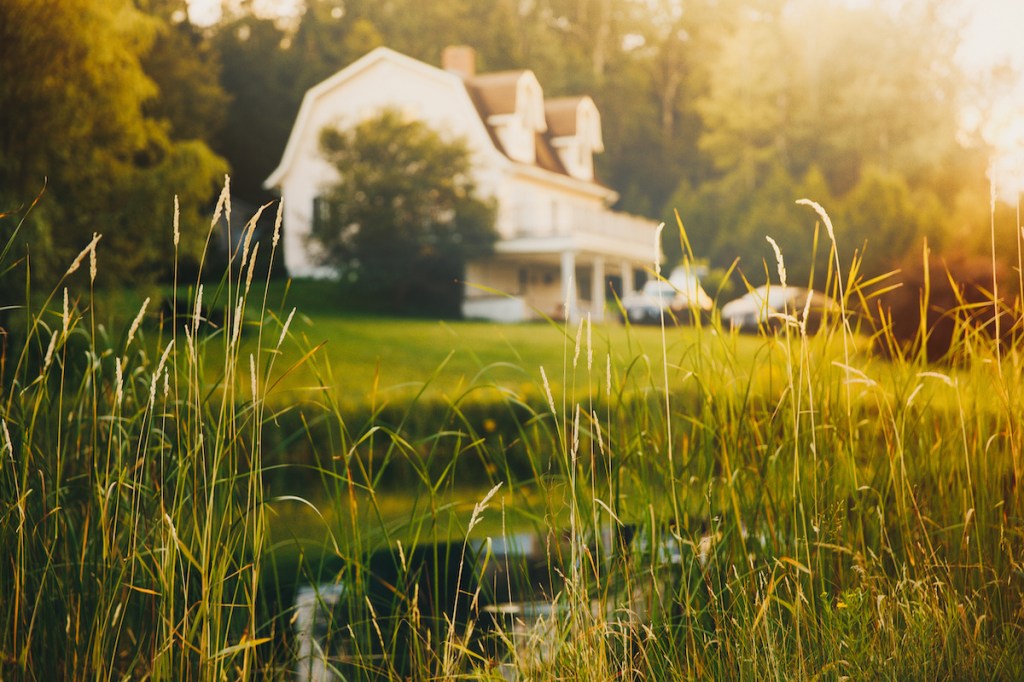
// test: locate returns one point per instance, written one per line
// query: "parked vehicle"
(680, 297)
(765, 306)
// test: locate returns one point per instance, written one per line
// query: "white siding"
(544, 218)
(440, 102)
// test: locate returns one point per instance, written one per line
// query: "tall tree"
(810, 81)
(330, 35)
(866, 94)
(259, 75)
(404, 216)
(185, 68)
(648, 102)
(72, 98)
(884, 219)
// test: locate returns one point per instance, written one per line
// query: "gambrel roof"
(523, 126)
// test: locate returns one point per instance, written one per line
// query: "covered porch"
(566, 285)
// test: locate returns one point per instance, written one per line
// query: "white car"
(679, 296)
(765, 305)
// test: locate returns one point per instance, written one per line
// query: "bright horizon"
(994, 36)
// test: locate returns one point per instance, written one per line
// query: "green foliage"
(883, 218)
(819, 100)
(730, 219)
(328, 37)
(133, 509)
(264, 102)
(186, 72)
(870, 88)
(73, 93)
(403, 218)
(800, 508)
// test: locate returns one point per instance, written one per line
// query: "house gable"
(382, 79)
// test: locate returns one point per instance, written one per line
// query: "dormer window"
(514, 102)
(530, 103)
(575, 128)
(559, 135)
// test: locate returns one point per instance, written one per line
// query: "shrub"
(935, 311)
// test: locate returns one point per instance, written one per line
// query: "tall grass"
(817, 512)
(133, 502)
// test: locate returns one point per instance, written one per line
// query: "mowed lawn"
(363, 357)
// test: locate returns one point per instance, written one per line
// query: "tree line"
(723, 110)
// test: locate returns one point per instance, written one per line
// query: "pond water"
(501, 597)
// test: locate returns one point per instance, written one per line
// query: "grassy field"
(399, 357)
(806, 509)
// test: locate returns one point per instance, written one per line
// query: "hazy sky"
(996, 28)
(995, 31)
(994, 35)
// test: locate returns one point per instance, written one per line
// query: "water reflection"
(500, 598)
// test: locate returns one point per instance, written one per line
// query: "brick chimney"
(460, 60)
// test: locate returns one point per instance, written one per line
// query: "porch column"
(627, 279)
(569, 285)
(597, 289)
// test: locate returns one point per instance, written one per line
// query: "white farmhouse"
(559, 244)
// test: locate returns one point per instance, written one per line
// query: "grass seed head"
(197, 312)
(779, 263)
(250, 229)
(136, 322)
(277, 224)
(177, 232)
(49, 351)
(222, 201)
(252, 267)
(823, 215)
(608, 374)
(239, 309)
(597, 430)
(547, 391)
(579, 338)
(479, 508)
(576, 434)
(92, 258)
(66, 316)
(284, 329)
(159, 371)
(118, 382)
(8, 445)
(89, 249)
(252, 375)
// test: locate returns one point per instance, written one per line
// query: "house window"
(321, 212)
(524, 280)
